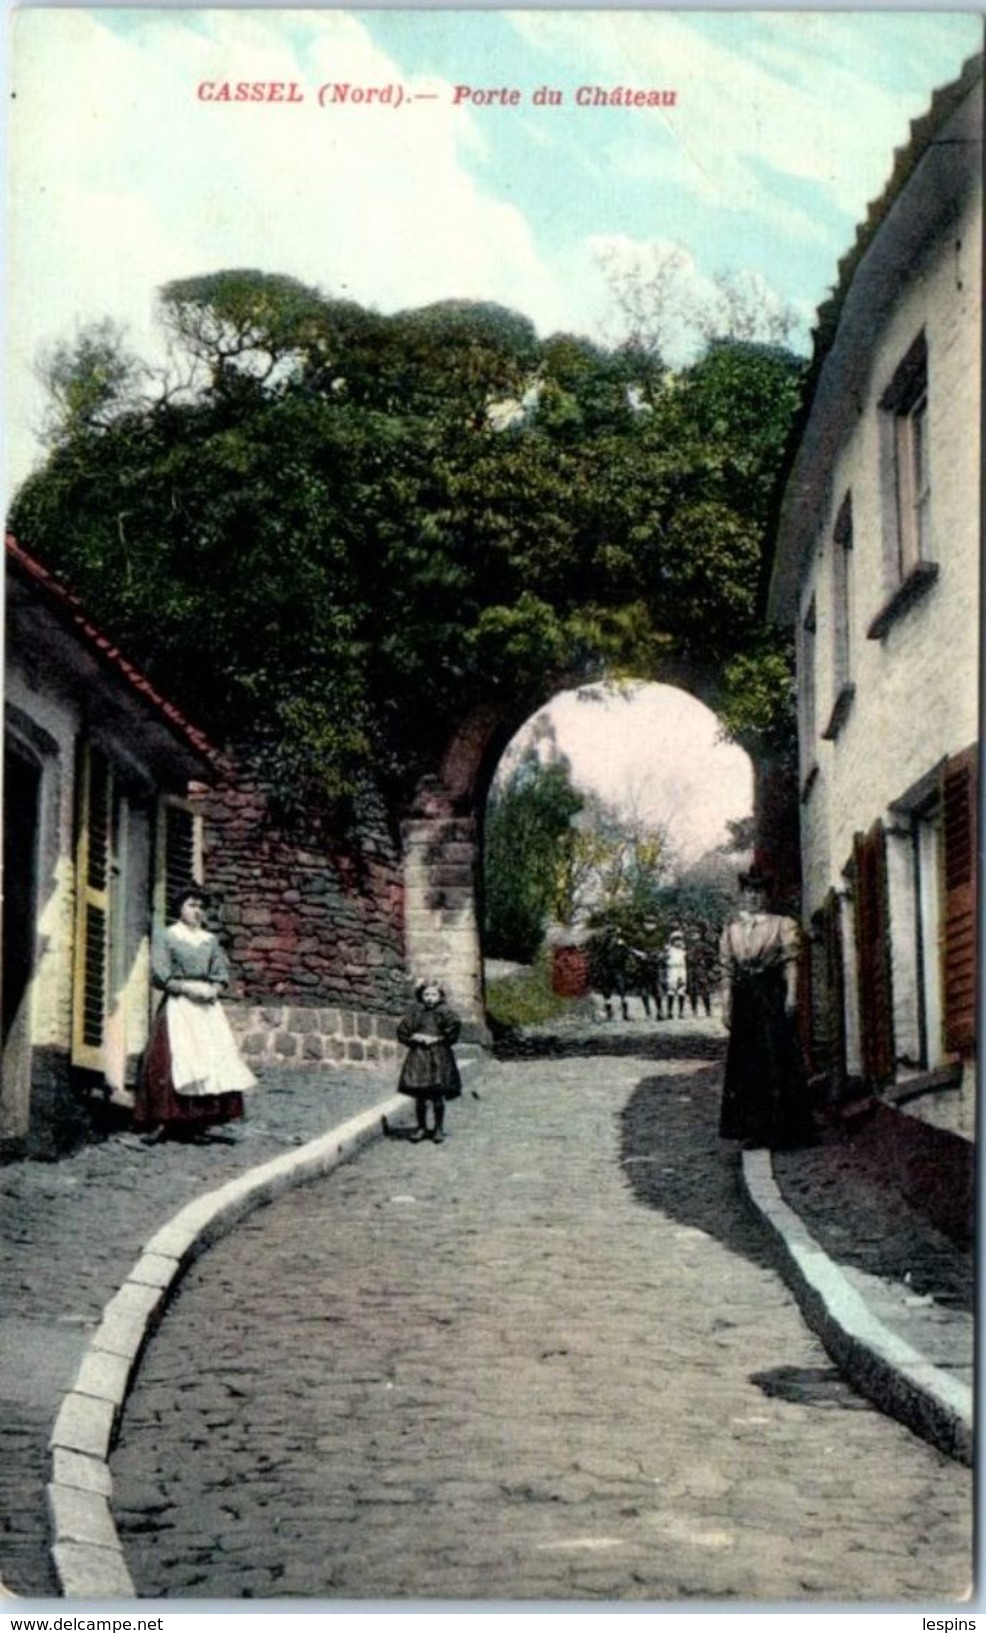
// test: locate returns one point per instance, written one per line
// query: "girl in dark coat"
(430, 1073)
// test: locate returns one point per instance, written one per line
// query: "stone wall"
(310, 916)
(311, 1036)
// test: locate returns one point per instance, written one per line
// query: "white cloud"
(123, 180)
(795, 100)
(654, 753)
(141, 182)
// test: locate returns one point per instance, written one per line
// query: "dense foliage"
(556, 853)
(528, 843)
(328, 532)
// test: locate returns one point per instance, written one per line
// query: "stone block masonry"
(309, 1036)
(442, 930)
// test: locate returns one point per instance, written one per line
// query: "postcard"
(490, 808)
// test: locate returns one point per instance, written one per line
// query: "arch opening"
(613, 810)
(647, 760)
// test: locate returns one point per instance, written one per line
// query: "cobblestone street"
(71, 1231)
(550, 1360)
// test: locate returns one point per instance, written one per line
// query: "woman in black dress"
(765, 1093)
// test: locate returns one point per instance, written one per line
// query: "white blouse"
(761, 939)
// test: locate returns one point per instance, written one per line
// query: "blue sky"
(122, 177)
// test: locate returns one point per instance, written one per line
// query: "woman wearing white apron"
(193, 1074)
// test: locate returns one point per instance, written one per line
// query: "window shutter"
(959, 802)
(93, 862)
(873, 955)
(179, 848)
(179, 853)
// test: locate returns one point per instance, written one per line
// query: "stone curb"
(882, 1365)
(85, 1547)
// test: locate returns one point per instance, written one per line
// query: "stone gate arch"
(442, 838)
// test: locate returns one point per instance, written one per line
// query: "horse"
(649, 978)
(619, 969)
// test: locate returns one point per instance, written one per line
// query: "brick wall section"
(311, 918)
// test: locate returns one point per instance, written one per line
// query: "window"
(841, 563)
(178, 852)
(927, 846)
(933, 846)
(912, 481)
(906, 488)
(843, 689)
(912, 841)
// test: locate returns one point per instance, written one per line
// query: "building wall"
(443, 940)
(916, 687)
(312, 1036)
(48, 723)
(39, 1111)
(916, 690)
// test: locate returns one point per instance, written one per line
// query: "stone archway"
(441, 839)
(442, 846)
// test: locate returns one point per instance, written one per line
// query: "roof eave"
(940, 167)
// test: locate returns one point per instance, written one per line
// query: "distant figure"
(650, 966)
(676, 972)
(430, 1073)
(765, 1093)
(703, 968)
(611, 971)
(192, 1074)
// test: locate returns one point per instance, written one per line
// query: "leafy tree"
(620, 862)
(329, 533)
(664, 305)
(741, 835)
(757, 702)
(89, 383)
(528, 839)
(745, 308)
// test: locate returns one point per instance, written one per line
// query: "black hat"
(754, 879)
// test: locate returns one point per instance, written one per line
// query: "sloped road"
(549, 1360)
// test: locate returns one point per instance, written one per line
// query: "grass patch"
(525, 998)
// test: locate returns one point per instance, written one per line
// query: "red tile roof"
(70, 608)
